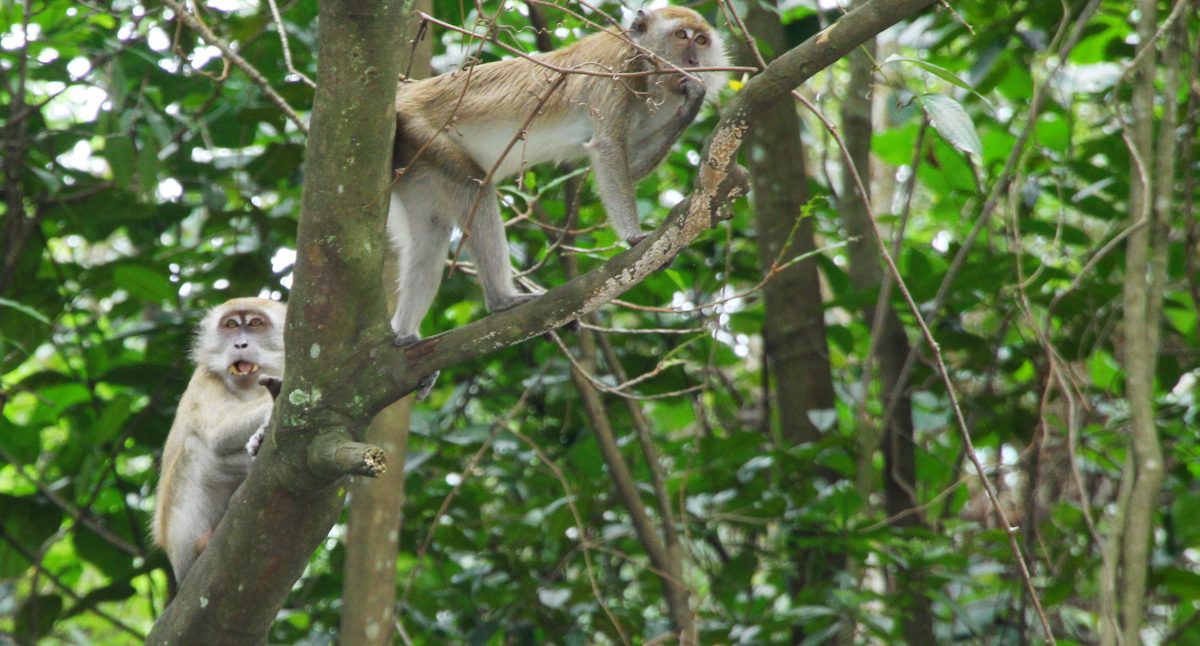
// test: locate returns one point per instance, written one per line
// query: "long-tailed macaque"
(207, 454)
(453, 130)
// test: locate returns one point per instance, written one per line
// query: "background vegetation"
(794, 460)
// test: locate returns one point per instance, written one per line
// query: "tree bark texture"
(1150, 194)
(376, 510)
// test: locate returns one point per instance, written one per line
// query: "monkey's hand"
(693, 93)
(255, 442)
(272, 384)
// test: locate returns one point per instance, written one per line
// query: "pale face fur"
(240, 341)
(684, 38)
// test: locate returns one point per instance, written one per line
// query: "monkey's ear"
(640, 25)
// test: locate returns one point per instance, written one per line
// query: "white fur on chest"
(546, 141)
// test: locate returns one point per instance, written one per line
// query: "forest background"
(772, 439)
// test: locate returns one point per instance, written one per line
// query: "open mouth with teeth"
(241, 368)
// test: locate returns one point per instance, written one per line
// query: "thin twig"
(283, 42)
(255, 76)
(579, 527)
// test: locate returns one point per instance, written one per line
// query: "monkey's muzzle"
(243, 368)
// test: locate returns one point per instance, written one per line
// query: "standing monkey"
(209, 448)
(453, 129)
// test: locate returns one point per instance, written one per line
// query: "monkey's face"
(684, 38)
(241, 342)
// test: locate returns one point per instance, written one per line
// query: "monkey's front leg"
(610, 162)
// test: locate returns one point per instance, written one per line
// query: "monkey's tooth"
(243, 368)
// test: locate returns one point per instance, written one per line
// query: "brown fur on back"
(424, 107)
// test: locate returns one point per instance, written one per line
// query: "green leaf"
(144, 283)
(940, 72)
(952, 123)
(24, 309)
(28, 522)
(147, 172)
(1104, 369)
(36, 616)
(120, 153)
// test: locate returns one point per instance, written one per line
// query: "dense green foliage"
(143, 185)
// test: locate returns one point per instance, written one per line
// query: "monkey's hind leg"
(421, 239)
(488, 244)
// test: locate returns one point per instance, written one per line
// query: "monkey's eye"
(682, 33)
(256, 322)
(231, 323)
(701, 40)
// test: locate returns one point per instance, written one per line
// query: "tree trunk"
(373, 535)
(377, 504)
(794, 329)
(889, 340)
(1150, 197)
(294, 491)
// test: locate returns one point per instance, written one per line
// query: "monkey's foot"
(509, 302)
(406, 339)
(426, 384)
(633, 240)
(255, 442)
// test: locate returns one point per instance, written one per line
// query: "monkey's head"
(242, 340)
(684, 38)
